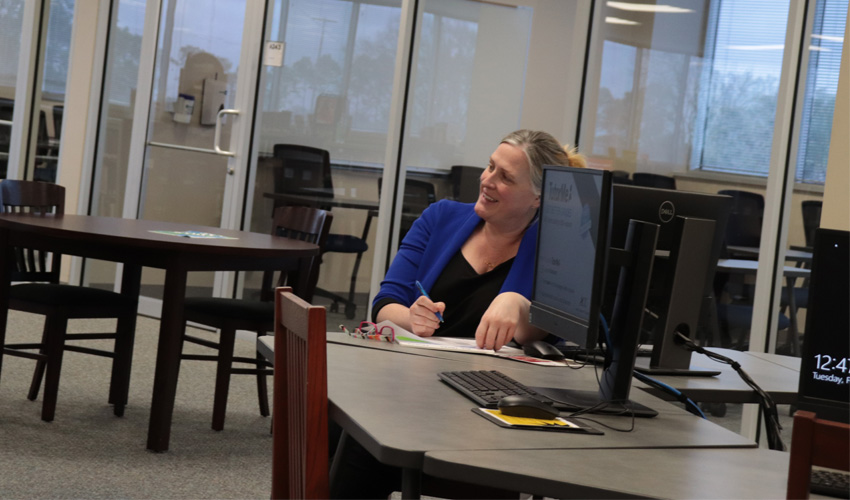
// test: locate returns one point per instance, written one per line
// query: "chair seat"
(345, 243)
(741, 315)
(801, 297)
(231, 310)
(66, 295)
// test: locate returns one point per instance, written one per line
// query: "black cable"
(768, 407)
(661, 386)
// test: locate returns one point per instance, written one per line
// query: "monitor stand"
(572, 400)
(642, 365)
(635, 264)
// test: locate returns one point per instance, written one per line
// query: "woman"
(476, 261)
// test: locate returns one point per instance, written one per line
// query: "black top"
(466, 293)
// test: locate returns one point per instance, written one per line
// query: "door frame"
(240, 137)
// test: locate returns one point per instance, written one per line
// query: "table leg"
(172, 327)
(119, 385)
(411, 483)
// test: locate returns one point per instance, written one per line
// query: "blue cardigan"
(434, 239)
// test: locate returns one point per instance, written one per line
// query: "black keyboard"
(830, 483)
(487, 387)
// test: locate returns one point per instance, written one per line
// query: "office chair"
(811, 219)
(819, 442)
(418, 195)
(43, 294)
(307, 170)
(229, 315)
(7, 107)
(300, 421)
(653, 180)
(744, 228)
(621, 177)
(465, 183)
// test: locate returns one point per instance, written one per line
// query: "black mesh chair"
(621, 177)
(229, 315)
(305, 170)
(43, 294)
(465, 183)
(811, 219)
(744, 227)
(653, 180)
(418, 194)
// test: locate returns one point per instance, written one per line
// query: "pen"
(425, 294)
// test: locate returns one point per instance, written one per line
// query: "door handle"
(216, 147)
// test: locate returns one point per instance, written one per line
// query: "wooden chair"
(229, 315)
(300, 422)
(58, 303)
(819, 442)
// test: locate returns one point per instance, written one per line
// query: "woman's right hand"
(423, 316)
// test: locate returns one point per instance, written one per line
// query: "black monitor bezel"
(583, 333)
(821, 268)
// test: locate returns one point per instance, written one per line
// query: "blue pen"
(425, 294)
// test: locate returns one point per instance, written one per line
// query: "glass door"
(197, 84)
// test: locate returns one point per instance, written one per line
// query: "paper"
(558, 424)
(273, 55)
(467, 345)
(195, 234)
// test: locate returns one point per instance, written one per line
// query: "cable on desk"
(768, 407)
(689, 404)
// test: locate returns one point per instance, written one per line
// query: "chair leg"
(227, 341)
(122, 362)
(54, 329)
(350, 306)
(262, 386)
(38, 373)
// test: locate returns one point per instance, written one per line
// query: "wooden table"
(133, 243)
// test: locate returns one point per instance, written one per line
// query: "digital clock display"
(831, 370)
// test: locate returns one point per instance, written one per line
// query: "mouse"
(543, 350)
(527, 407)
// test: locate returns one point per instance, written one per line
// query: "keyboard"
(830, 483)
(487, 387)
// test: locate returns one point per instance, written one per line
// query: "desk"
(665, 473)
(131, 241)
(791, 254)
(773, 373)
(393, 404)
(791, 273)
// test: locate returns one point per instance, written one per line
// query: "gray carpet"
(87, 452)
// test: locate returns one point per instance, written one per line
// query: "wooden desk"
(659, 473)
(131, 242)
(393, 404)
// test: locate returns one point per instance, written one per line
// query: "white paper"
(273, 55)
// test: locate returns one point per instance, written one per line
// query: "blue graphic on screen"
(567, 242)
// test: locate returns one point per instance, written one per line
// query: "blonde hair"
(541, 149)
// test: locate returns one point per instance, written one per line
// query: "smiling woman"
(476, 260)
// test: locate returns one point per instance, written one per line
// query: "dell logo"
(666, 211)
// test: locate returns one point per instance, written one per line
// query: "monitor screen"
(571, 249)
(825, 362)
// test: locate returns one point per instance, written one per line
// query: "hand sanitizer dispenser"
(215, 93)
(183, 108)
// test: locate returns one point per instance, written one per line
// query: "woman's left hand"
(500, 322)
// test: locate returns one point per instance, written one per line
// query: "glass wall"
(332, 92)
(11, 21)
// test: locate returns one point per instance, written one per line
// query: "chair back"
(300, 419)
(298, 223)
(40, 198)
(465, 183)
(744, 226)
(811, 219)
(647, 179)
(814, 441)
(303, 169)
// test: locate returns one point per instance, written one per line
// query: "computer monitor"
(572, 244)
(569, 279)
(690, 241)
(825, 362)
